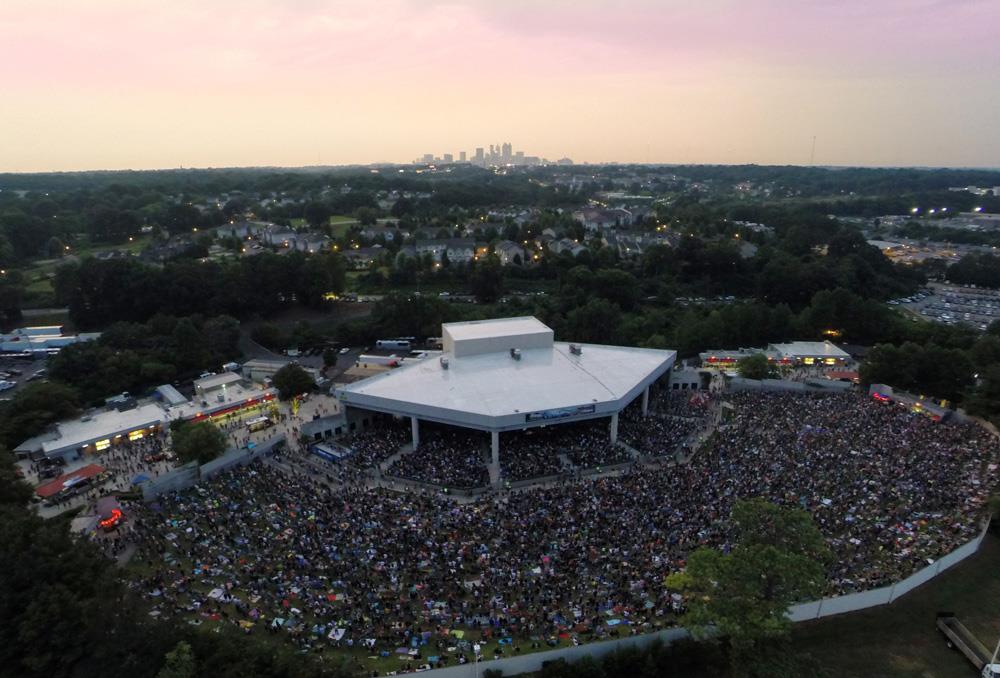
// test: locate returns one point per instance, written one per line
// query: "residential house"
(360, 258)
(598, 219)
(510, 253)
(457, 250)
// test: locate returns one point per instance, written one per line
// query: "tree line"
(102, 292)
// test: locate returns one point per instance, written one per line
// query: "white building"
(509, 375)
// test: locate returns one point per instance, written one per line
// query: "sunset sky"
(110, 84)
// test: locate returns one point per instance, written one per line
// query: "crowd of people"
(376, 444)
(675, 417)
(361, 565)
(448, 457)
(687, 404)
(891, 489)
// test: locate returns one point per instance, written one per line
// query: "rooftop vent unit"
(221, 397)
(515, 353)
(444, 363)
(575, 349)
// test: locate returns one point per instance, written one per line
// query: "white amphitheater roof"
(495, 391)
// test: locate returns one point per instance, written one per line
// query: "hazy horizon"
(115, 85)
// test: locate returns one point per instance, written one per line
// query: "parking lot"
(954, 304)
(15, 372)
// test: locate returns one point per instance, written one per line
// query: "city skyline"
(497, 154)
(105, 84)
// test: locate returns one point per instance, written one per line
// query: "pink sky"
(133, 84)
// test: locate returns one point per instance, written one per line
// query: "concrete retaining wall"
(191, 474)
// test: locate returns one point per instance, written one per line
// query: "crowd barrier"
(437, 489)
(173, 481)
(240, 457)
(191, 474)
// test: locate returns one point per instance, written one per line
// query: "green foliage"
(136, 356)
(933, 370)
(291, 380)
(756, 366)
(982, 270)
(198, 441)
(101, 292)
(486, 280)
(34, 408)
(400, 315)
(777, 561)
(179, 663)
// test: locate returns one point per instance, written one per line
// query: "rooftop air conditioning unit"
(444, 363)
(515, 353)
(575, 349)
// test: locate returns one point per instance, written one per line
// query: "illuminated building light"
(111, 521)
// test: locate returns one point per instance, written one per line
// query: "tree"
(291, 380)
(316, 214)
(755, 366)
(198, 441)
(778, 560)
(486, 280)
(179, 663)
(34, 408)
(366, 215)
(329, 357)
(596, 322)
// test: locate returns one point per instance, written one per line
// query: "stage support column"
(495, 459)
(614, 428)
(415, 430)
(645, 401)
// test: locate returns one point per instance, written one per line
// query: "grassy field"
(38, 275)
(340, 224)
(901, 640)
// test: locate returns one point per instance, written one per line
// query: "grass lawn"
(340, 224)
(901, 640)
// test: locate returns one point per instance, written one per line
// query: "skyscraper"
(449, 158)
(480, 156)
(461, 156)
(506, 153)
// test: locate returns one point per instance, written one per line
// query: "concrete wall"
(240, 457)
(178, 479)
(191, 474)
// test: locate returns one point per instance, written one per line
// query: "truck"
(400, 343)
(961, 638)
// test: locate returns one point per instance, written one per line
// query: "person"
(889, 490)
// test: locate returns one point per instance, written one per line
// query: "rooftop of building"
(218, 400)
(500, 327)
(810, 348)
(215, 381)
(94, 426)
(496, 384)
